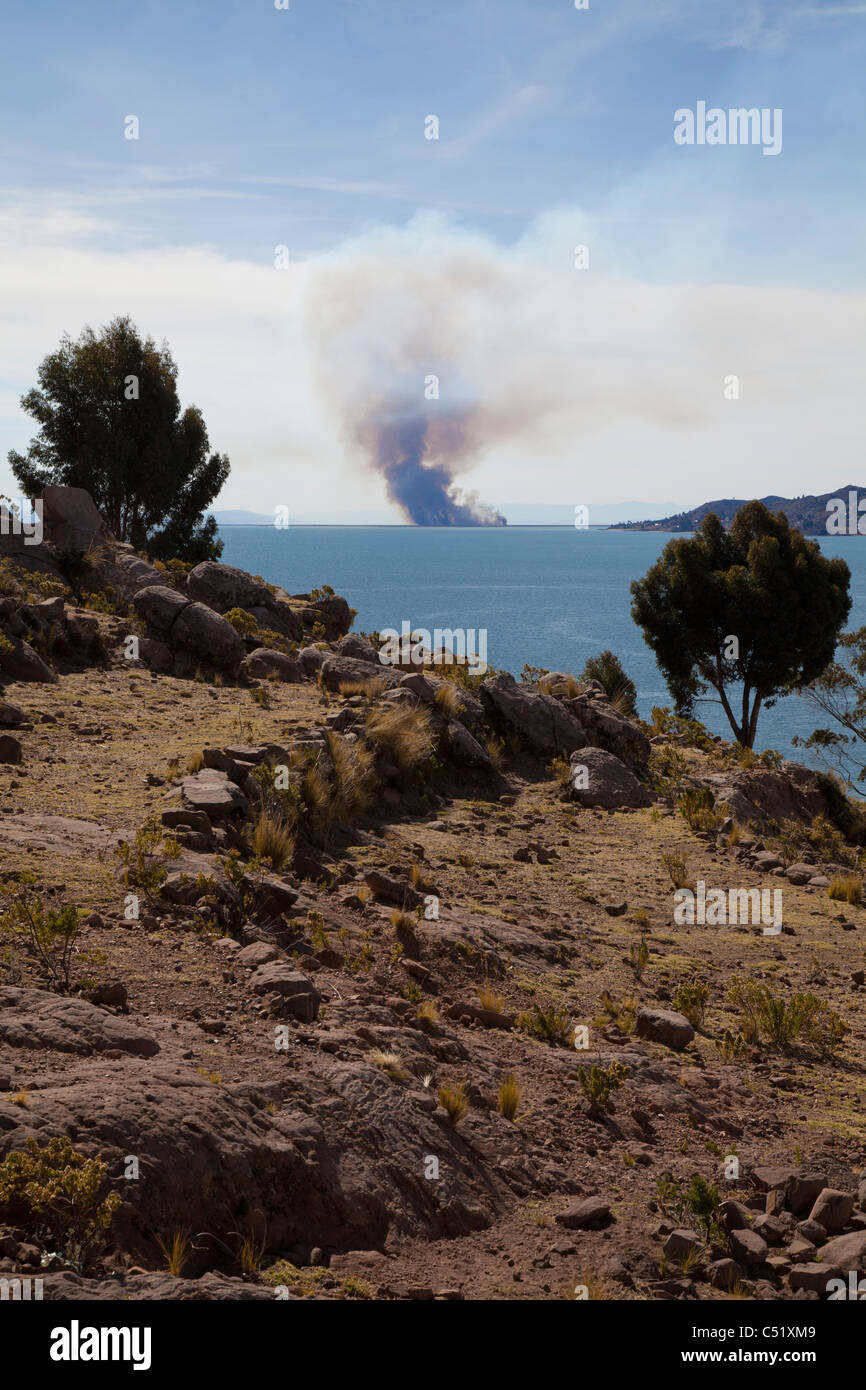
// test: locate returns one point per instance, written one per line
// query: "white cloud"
(585, 385)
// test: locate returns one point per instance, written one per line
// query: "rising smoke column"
(419, 456)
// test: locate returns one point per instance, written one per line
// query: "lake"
(548, 596)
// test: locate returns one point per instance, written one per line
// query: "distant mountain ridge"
(808, 513)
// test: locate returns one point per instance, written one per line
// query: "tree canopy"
(110, 421)
(757, 608)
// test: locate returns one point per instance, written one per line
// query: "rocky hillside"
(335, 980)
(808, 513)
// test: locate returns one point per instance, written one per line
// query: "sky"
(314, 260)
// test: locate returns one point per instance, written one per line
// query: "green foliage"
(763, 583)
(550, 1025)
(780, 1023)
(696, 809)
(668, 769)
(690, 732)
(59, 1193)
(599, 1083)
(531, 674)
(638, 957)
(619, 687)
(242, 621)
(701, 1199)
(690, 999)
(50, 933)
(144, 462)
(144, 860)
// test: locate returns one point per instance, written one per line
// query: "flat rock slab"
(214, 793)
(33, 1018)
(62, 833)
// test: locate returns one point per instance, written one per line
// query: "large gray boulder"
(38, 1020)
(71, 519)
(597, 778)
(19, 662)
(265, 662)
(357, 647)
(541, 720)
(159, 605)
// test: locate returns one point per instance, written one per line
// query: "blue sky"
(305, 127)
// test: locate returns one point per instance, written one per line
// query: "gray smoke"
(419, 456)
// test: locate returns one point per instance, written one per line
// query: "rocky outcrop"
(189, 627)
(344, 670)
(541, 720)
(35, 1019)
(791, 792)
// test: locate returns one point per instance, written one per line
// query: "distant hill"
(808, 513)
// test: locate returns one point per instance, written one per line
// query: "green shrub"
(598, 1083)
(619, 688)
(780, 1023)
(690, 999)
(59, 1193)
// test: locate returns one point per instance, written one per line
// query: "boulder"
(159, 606)
(19, 662)
(199, 630)
(358, 648)
(664, 1026)
(606, 728)
(339, 670)
(748, 1247)
(599, 778)
(833, 1210)
(814, 1277)
(299, 995)
(312, 659)
(139, 574)
(791, 792)
(462, 746)
(590, 1211)
(265, 662)
(10, 749)
(222, 587)
(846, 1252)
(392, 890)
(542, 720)
(71, 519)
(682, 1242)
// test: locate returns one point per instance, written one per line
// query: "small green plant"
(599, 1083)
(690, 999)
(316, 923)
(731, 1047)
(622, 1012)
(144, 859)
(780, 1023)
(61, 1196)
(50, 933)
(550, 1025)
(702, 1200)
(638, 957)
(697, 810)
(619, 688)
(242, 621)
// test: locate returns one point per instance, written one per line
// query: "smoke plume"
(419, 456)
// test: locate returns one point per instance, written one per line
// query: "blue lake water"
(549, 596)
